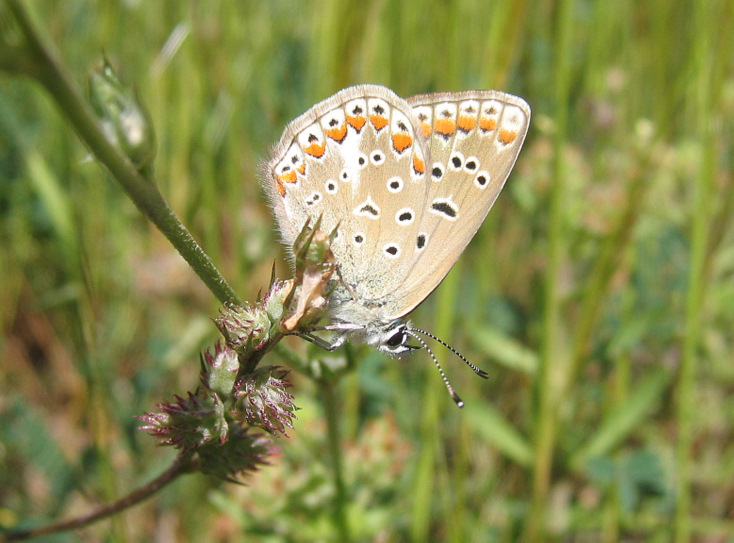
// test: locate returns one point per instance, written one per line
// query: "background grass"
(599, 294)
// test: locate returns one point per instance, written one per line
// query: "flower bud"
(219, 370)
(188, 423)
(123, 119)
(262, 400)
(315, 265)
(243, 327)
(243, 453)
(312, 247)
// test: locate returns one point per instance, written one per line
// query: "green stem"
(696, 274)
(424, 487)
(553, 366)
(604, 268)
(43, 66)
(331, 411)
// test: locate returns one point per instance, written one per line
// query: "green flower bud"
(123, 119)
(219, 370)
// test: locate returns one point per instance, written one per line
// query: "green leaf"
(620, 422)
(504, 349)
(493, 428)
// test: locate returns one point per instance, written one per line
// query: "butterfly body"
(406, 182)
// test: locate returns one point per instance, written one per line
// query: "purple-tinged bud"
(188, 423)
(243, 327)
(243, 453)
(262, 399)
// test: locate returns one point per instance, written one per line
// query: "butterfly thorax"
(355, 320)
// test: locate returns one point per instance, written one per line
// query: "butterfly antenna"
(454, 396)
(479, 372)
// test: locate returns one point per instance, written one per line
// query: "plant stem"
(44, 67)
(331, 411)
(696, 273)
(553, 364)
(181, 465)
(428, 465)
(605, 265)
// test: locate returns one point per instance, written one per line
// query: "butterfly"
(407, 183)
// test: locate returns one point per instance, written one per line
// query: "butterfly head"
(392, 339)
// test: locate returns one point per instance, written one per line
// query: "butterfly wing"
(355, 160)
(474, 138)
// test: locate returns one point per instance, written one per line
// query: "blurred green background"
(599, 294)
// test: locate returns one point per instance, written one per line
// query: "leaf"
(620, 422)
(493, 428)
(504, 349)
(634, 476)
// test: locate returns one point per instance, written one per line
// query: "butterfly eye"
(397, 339)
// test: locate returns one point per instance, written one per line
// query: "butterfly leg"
(321, 342)
(345, 284)
(338, 340)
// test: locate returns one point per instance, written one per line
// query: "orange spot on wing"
(288, 177)
(487, 124)
(426, 129)
(281, 188)
(301, 169)
(445, 127)
(507, 136)
(378, 121)
(337, 133)
(356, 122)
(466, 123)
(401, 141)
(418, 165)
(316, 150)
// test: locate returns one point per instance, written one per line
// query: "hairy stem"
(181, 465)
